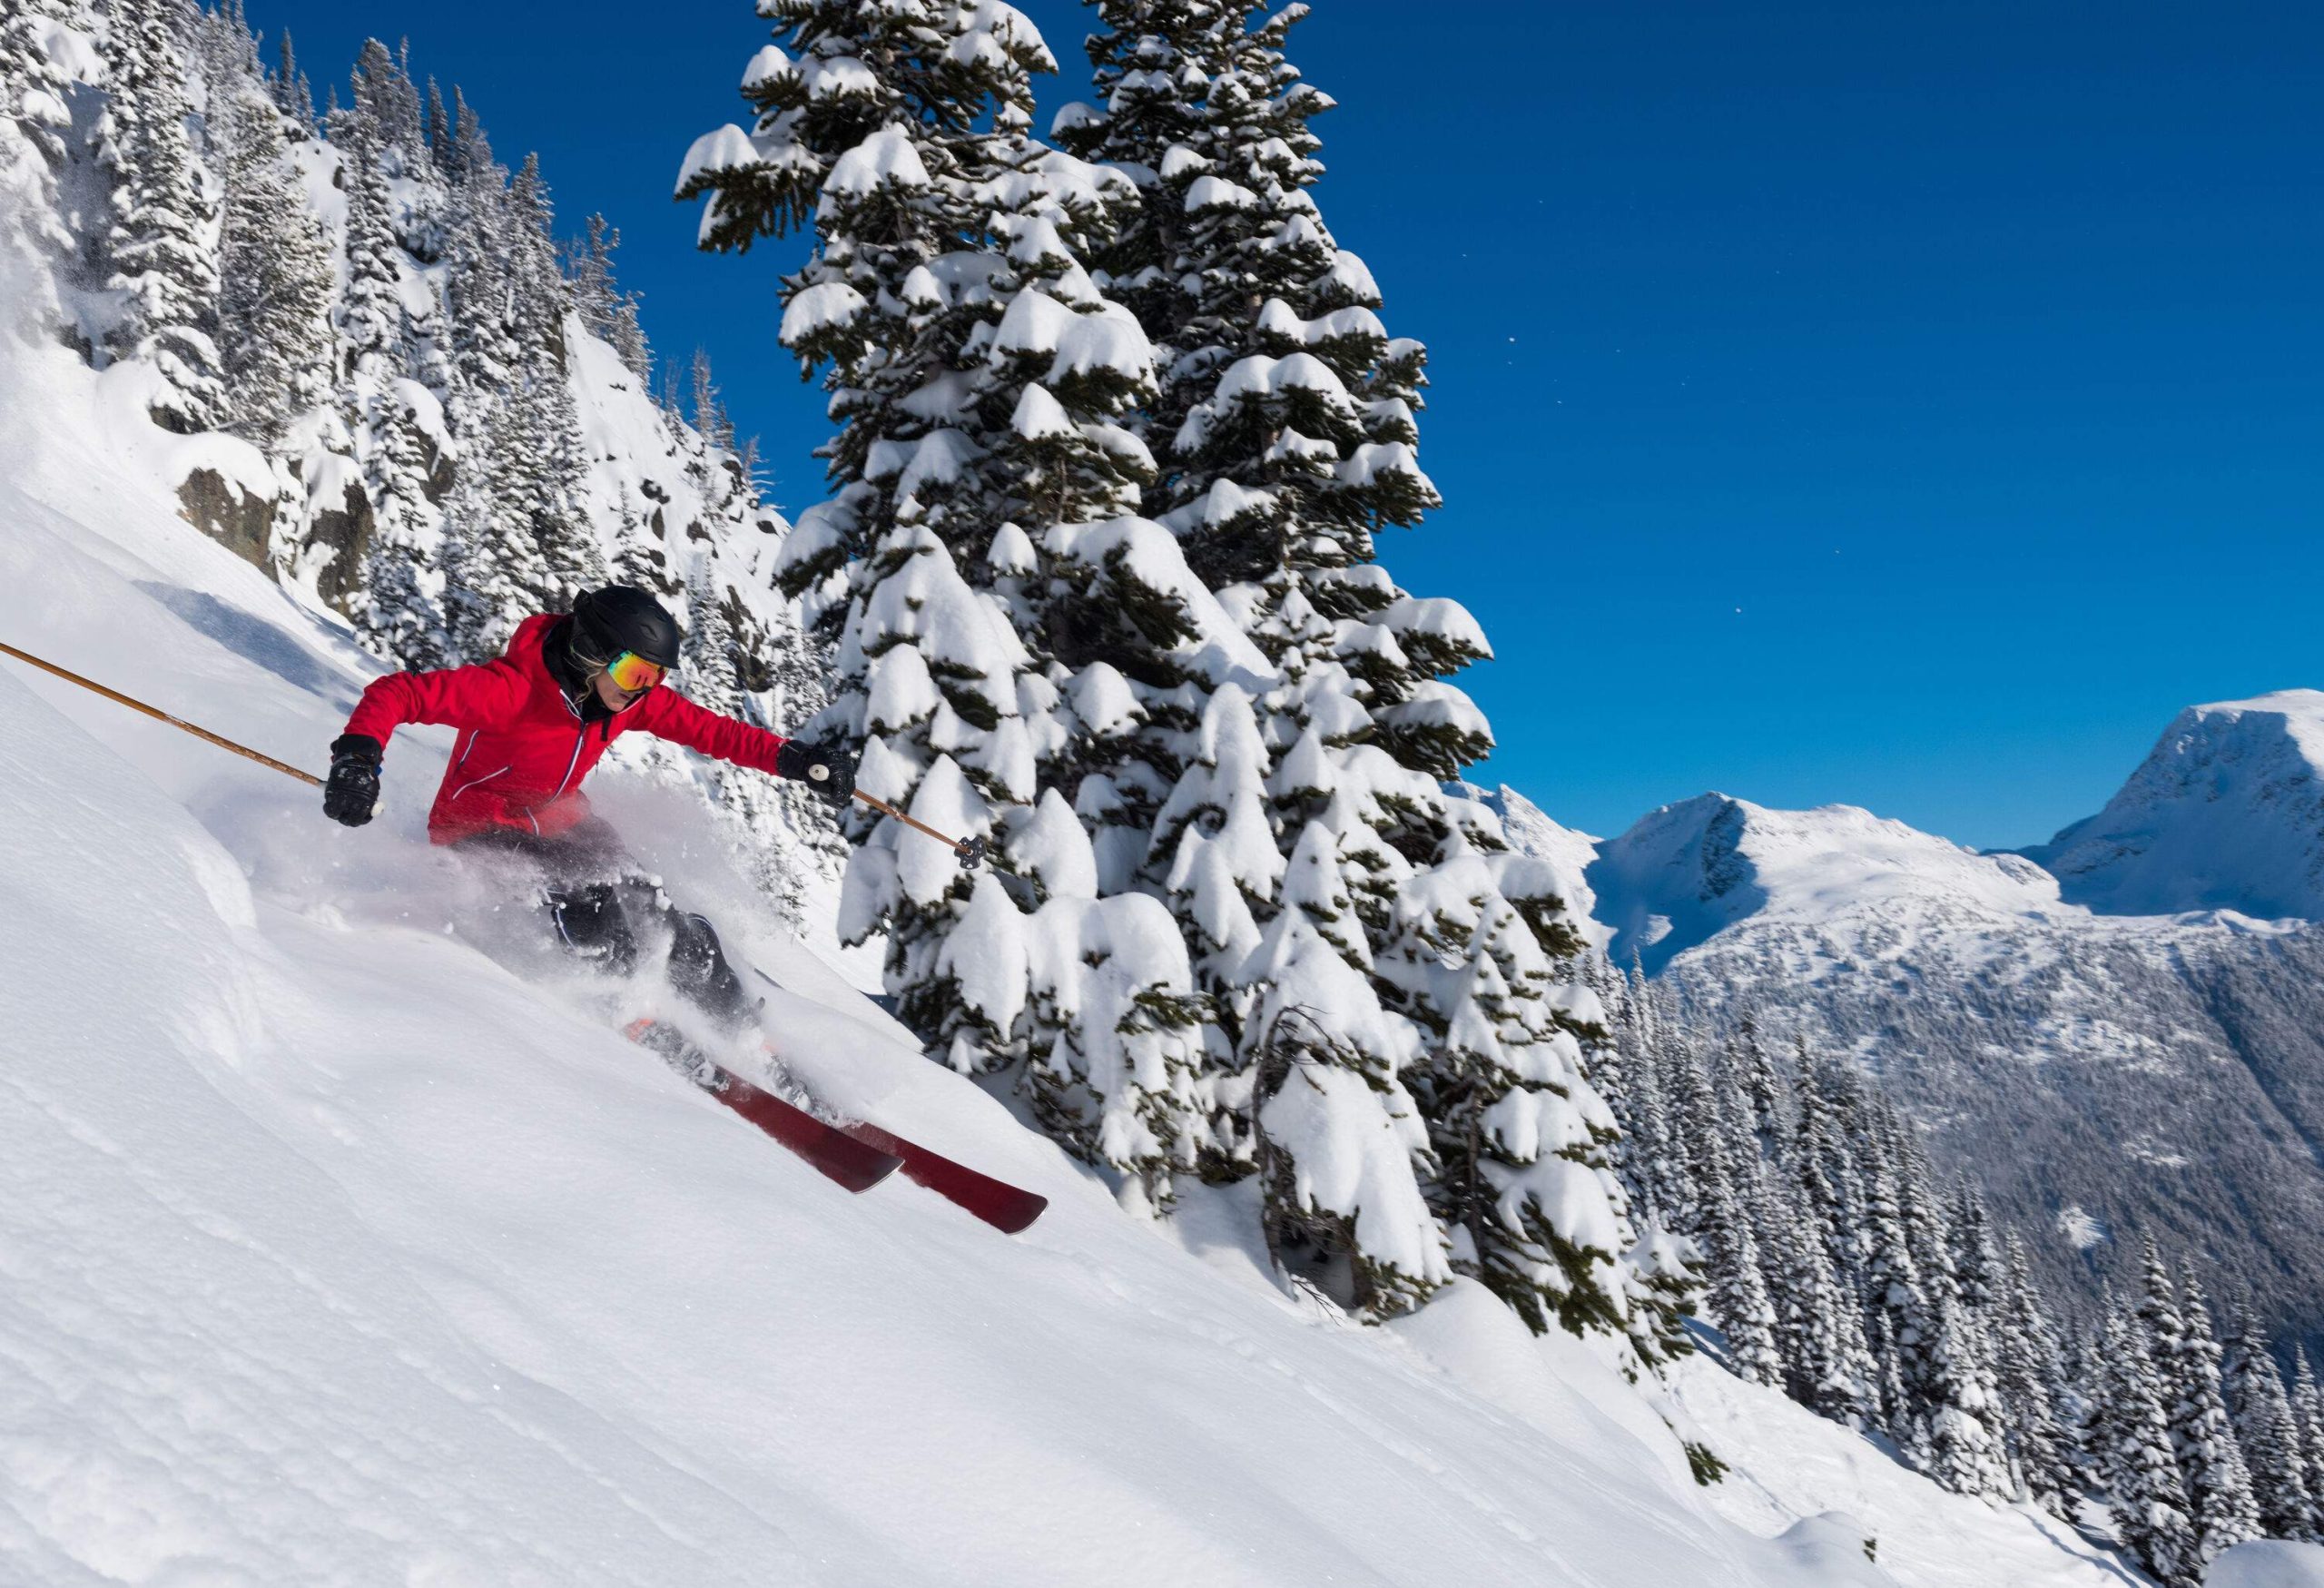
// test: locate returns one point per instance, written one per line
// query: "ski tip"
(1008, 1208)
(1014, 1220)
(877, 1175)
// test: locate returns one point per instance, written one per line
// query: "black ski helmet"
(622, 618)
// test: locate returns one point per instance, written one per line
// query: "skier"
(533, 722)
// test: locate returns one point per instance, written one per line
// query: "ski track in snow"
(336, 1251)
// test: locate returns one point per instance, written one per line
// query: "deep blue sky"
(1912, 407)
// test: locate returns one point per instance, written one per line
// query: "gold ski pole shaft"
(160, 715)
(885, 809)
(968, 851)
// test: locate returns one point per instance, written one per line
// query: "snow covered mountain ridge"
(2118, 1032)
(2226, 812)
(1686, 871)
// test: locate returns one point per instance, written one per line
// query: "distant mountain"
(1688, 872)
(2132, 1042)
(2226, 812)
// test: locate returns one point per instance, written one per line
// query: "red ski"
(855, 1163)
(1008, 1208)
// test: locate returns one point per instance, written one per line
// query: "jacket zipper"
(578, 740)
(473, 783)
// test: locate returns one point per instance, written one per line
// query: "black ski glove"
(353, 787)
(830, 772)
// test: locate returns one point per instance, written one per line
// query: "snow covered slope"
(2269, 1564)
(2106, 1075)
(336, 1251)
(2226, 812)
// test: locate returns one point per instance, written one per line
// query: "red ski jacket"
(523, 748)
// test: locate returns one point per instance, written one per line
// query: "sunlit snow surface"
(333, 1250)
(2271, 1563)
(1790, 1463)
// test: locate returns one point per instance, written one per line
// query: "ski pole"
(968, 851)
(160, 715)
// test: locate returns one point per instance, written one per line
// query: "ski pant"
(596, 899)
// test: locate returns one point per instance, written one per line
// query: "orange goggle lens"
(633, 674)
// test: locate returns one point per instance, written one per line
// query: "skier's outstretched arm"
(830, 772)
(484, 695)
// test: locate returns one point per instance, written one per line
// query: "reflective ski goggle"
(633, 674)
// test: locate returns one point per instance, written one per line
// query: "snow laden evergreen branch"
(1299, 1054)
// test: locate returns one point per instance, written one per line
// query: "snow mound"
(2226, 812)
(1837, 1548)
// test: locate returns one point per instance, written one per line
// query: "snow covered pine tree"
(975, 373)
(162, 247)
(1261, 746)
(36, 133)
(1284, 435)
